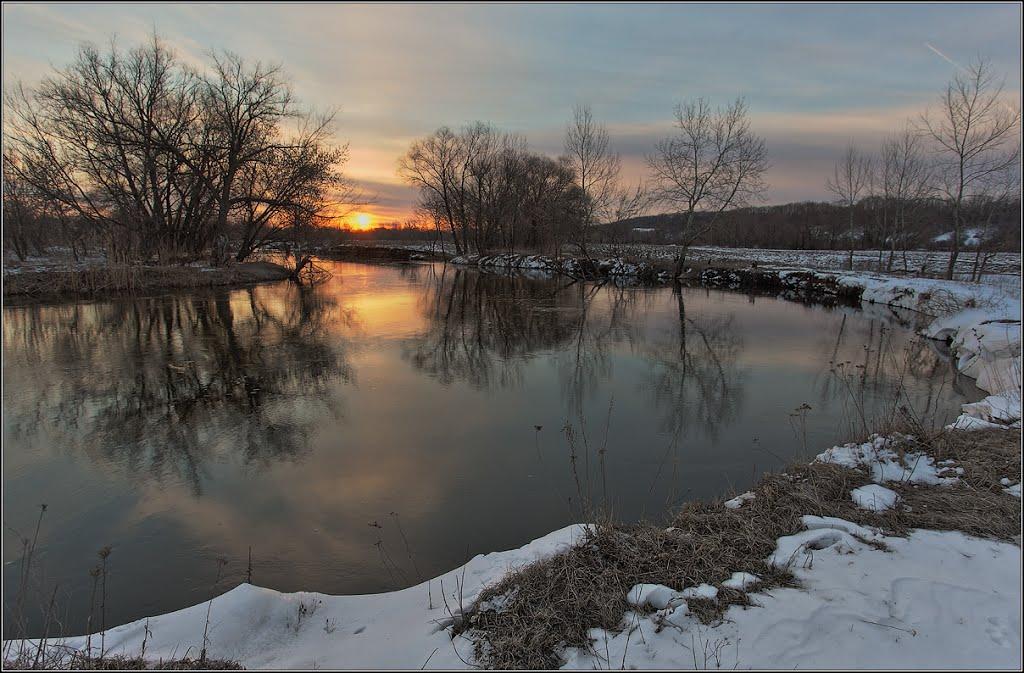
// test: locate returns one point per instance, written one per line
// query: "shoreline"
(27, 287)
(262, 627)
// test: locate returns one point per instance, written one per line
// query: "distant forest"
(819, 225)
(803, 225)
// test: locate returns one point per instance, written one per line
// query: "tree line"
(489, 192)
(957, 164)
(963, 152)
(145, 157)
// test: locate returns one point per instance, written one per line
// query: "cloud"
(815, 77)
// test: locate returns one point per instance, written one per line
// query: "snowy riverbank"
(933, 599)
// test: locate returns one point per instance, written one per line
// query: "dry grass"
(553, 603)
(101, 280)
(70, 660)
(977, 506)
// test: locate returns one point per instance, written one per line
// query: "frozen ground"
(933, 262)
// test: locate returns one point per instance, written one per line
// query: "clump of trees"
(975, 135)
(135, 152)
(491, 193)
(957, 167)
(961, 159)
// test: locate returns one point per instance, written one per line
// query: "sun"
(362, 221)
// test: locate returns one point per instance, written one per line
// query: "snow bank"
(261, 628)
(983, 326)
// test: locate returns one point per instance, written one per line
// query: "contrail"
(943, 56)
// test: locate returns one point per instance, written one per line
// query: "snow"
(933, 261)
(661, 597)
(702, 591)
(931, 600)
(741, 581)
(262, 628)
(968, 422)
(1004, 407)
(737, 502)
(885, 464)
(657, 596)
(874, 497)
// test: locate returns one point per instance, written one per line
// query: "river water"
(390, 423)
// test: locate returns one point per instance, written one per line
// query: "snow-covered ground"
(932, 261)
(262, 628)
(930, 600)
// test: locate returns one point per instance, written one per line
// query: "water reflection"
(189, 426)
(146, 385)
(481, 327)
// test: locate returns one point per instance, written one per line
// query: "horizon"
(398, 72)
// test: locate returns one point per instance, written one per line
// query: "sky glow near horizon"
(815, 77)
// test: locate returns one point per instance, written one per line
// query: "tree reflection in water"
(186, 426)
(152, 383)
(483, 329)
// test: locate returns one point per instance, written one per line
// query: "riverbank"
(857, 560)
(27, 285)
(943, 592)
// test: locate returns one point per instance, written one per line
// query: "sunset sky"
(815, 77)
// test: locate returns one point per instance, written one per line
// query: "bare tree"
(433, 165)
(851, 179)
(91, 138)
(905, 179)
(597, 169)
(158, 159)
(999, 198)
(21, 221)
(713, 163)
(976, 134)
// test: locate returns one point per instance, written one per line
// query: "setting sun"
(361, 221)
